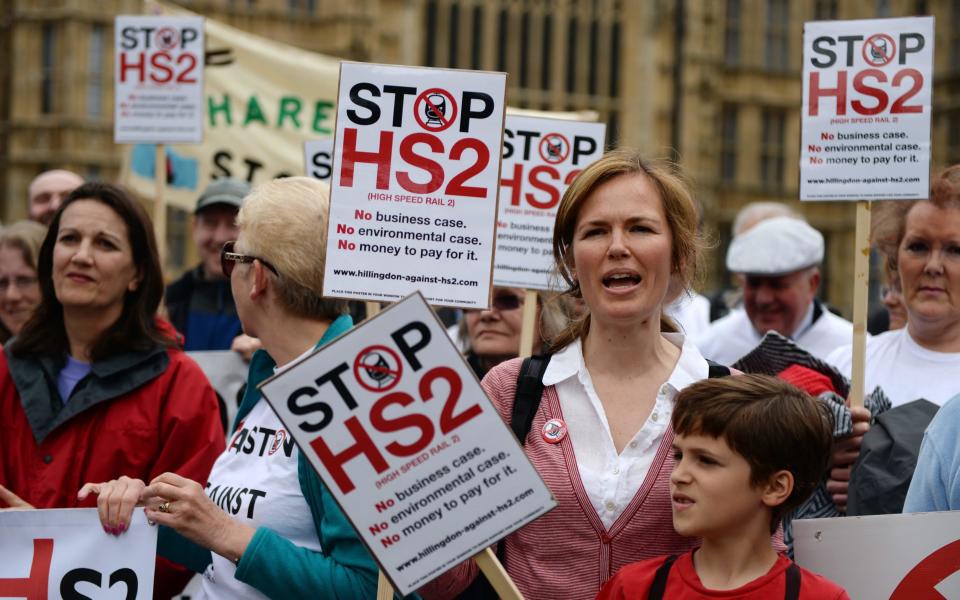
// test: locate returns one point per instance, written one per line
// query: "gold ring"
(165, 507)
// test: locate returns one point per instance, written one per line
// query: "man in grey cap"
(200, 303)
(777, 262)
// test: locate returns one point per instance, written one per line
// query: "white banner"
(399, 429)
(895, 557)
(65, 553)
(158, 79)
(540, 159)
(867, 88)
(413, 197)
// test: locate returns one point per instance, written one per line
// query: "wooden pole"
(497, 575)
(861, 283)
(529, 326)
(373, 309)
(384, 589)
(160, 202)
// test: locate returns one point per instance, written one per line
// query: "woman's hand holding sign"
(182, 505)
(116, 500)
(13, 501)
(174, 501)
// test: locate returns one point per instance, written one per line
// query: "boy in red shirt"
(748, 449)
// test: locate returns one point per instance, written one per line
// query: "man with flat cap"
(200, 304)
(777, 262)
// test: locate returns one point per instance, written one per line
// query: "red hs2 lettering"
(435, 110)
(146, 55)
(547, 179)
(392, 413)
(34, 585)
(872, 88)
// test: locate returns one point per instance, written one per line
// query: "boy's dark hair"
(770, 423)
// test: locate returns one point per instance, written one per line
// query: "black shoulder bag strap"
(659, 585)
(793, 582)
(529, 391)
(717, 370)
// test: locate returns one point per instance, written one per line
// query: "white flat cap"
(776, 247)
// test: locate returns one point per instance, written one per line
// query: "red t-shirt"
(633, 581)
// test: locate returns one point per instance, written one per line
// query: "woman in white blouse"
(626, 242)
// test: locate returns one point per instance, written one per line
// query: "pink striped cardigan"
(567, 553)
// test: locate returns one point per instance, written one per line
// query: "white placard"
(540, 159)
(318, 158)
(227, 372)
(399, 429)
(158, 80)
(414, 192)
(900, 557)
(867, 88)
(64, 553)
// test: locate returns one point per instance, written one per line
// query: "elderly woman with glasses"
(264, 525)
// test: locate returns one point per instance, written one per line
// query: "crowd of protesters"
(673, 472)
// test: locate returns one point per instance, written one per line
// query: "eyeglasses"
(507, 302)
(228, 258)
(20, 282)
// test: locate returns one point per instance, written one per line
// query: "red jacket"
(137, 414)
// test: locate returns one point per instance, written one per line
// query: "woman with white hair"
(266, 524)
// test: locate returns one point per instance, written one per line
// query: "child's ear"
(777, 489)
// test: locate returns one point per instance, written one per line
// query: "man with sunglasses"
(200, 304)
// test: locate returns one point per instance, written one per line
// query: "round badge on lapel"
(554, 431)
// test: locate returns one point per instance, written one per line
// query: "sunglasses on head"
(507, 302)
(228, 258)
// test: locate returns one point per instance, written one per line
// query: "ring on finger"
(164, 508)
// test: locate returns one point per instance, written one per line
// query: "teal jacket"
(273, 564)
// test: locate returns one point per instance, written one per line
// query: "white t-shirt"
(256, 482)
(610, 479)
(904, 369)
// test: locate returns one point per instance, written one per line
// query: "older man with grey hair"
(778, 262)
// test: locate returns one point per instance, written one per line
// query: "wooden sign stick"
(496, 574)
(529, 326)
(861, 283)
(384, 589)
(373, 309)
(160, 202)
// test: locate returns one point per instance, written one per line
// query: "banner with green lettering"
(263, 101)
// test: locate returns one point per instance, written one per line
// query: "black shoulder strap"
(659, 585)
(793, 582)
(529, 391)
(717, 370)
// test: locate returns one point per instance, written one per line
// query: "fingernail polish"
(123, 527)
(106, 529)
(115, 530)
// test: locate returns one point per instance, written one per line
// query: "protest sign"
(263, 100)
(540, 159)
(867, 88)
(398, 428)
(900, 557)
(318, 158)
(227, 372)
(158, 79)
(65, 553)
(413, 198)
